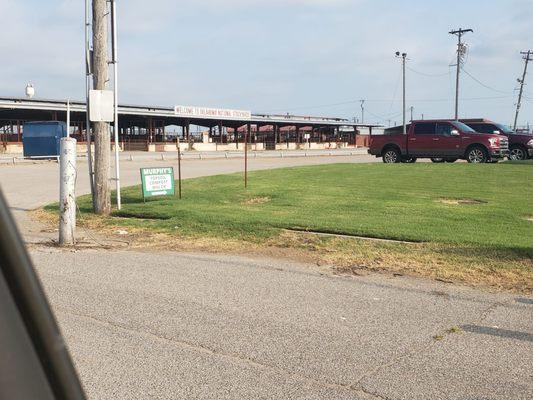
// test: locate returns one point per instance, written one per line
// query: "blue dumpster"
(41, 139)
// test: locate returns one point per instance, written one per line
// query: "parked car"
(520, 144)
(440, 140)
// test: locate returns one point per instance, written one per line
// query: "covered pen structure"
(154, 128)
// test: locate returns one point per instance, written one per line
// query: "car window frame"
(450, 126)
(425, 123)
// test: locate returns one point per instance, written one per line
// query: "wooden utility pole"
(460, 53)
(527, 57)
(102, 140)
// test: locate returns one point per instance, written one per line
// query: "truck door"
(448, 144)
(422, 141)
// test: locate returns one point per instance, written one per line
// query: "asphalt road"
(171, 325)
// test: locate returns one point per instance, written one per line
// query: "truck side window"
(443, 129)
(483, 128)
(425, 128)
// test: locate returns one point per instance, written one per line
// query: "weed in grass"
(455, 330)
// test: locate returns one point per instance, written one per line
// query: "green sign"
(157, 181)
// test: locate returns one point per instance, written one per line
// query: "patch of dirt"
(461, 201)
(348, 236)
(256, 200)
(530, 219)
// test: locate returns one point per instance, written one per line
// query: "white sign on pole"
(212, 113)
(101, 103)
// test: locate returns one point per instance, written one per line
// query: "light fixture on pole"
(30, 91)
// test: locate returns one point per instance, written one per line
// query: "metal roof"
(25, 106)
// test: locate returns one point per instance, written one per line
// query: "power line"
(481, 83)
(316, 106)
(428, 75)
(395, 90)
(384, 117)
(391, 101)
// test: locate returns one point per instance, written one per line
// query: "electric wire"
(481, 83)
(428, 75)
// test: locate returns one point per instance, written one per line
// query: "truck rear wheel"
(517, 153)
(477, 155)
(391, 155)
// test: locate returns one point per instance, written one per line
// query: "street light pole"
(404, 56)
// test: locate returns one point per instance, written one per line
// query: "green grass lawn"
(405, 202)
(490, 241)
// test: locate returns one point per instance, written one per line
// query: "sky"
(305, 57)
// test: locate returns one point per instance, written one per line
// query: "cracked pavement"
(171, 325)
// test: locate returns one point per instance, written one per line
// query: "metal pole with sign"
(246, 135)
(88, 72)
(179, 166)
(115, 100)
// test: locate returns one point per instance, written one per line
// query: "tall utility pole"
(460, 52)
(362, 111)
(102, 142)
(527, 57)
(403, 56)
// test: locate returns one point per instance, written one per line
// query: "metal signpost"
(246, 154)
(157, 181)
(179, 166)
(115, 98)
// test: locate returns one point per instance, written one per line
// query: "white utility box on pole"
(101, 107)
(67, 191)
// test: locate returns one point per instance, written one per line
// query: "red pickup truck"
(520, 144)
(440, 140)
